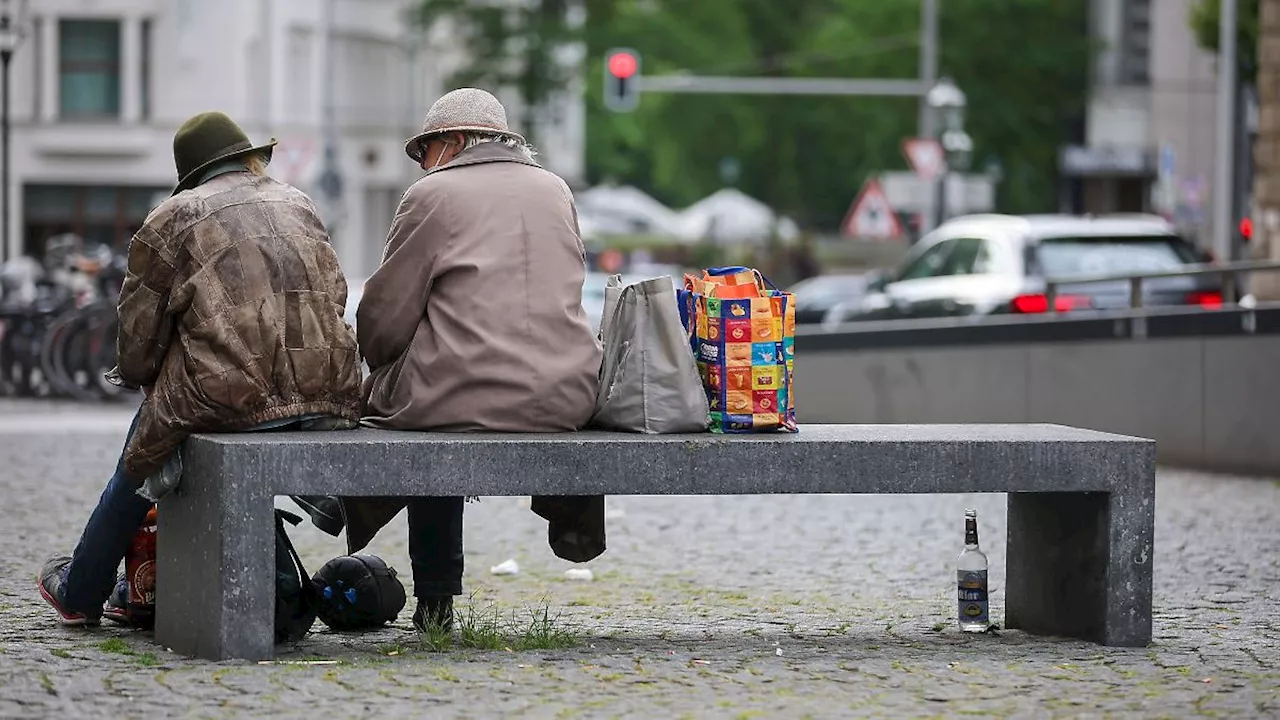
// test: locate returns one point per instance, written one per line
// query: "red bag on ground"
(140, 571)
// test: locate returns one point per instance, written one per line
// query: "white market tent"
(620, 209)
(728, 217)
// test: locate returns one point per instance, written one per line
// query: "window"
(89, 68)
(959, 256)
(1063, 256)
(100, 214)
(144, 82)
(969, 256)
(299, 95)
(1135, 43)
(929, 263)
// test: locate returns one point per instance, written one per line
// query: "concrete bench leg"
(215, 566)
(1080, 565)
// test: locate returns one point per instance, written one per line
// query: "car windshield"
(1063, 256)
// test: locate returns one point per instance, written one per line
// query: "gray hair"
(479, 138)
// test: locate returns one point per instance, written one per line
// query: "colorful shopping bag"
(742, 331)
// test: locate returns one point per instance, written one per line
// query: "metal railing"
(1228, 271)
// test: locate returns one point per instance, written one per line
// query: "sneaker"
(117, 607)
(436, 611)
(325, 512)
(52, 577)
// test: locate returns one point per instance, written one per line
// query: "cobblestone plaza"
(804, 606)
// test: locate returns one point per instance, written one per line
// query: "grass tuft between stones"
(489, 627)
(119, 647)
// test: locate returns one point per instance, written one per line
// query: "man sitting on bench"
(230, 320)
(474, 321)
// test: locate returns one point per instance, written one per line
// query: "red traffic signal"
(623, 64)
(621, 79)
(1246, 229)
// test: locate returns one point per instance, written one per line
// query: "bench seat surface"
(818, 459)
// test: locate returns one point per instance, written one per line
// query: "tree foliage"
(1205, 26)
(1022, 63)
(512, 45)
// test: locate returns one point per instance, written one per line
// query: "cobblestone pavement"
(702, 607)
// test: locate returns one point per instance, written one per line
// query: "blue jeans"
(91, 576)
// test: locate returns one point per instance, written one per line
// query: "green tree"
(1022, 63)
(1205, 26)
(509, 45)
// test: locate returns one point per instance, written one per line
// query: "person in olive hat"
(230, 319)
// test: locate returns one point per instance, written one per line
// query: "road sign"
(871, 217)
(925, 156)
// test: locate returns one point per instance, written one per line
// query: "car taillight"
(1039, 303)
(1205, 299)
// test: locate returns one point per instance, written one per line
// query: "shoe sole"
(75, 620)
(120, 617)
(326, 522)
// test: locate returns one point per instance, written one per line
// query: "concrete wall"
(1209, 402)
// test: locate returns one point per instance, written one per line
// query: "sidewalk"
(702, 607)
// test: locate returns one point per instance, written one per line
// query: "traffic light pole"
(706, 84)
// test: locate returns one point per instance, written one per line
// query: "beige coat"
(474, 320)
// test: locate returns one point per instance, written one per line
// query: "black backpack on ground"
(296, 598)
(358, 592)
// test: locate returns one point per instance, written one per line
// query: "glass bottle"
(971, 579)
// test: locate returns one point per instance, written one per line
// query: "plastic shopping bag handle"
(731, 269)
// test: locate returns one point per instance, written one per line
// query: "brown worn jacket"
(232, 309)
(474, 321)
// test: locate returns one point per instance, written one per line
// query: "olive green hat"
(206, 139)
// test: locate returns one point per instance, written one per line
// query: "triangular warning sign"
(871, 217)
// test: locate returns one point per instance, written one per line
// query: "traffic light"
(621, 80)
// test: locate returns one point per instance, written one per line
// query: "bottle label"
(972, 594)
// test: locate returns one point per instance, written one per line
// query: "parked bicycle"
(58, 323)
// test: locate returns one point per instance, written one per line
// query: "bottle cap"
(971, 513)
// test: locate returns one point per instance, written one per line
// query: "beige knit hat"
(462, 110)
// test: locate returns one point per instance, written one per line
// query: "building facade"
(1149, 136)
(100, 86)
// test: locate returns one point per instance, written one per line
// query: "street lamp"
(948, 104)
(13, 20)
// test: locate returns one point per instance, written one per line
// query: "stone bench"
(1081, 505)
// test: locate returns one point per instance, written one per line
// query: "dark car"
(993, 264)
(816, 296)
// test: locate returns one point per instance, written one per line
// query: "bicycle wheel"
(58, 341)
(28, 376)
(101, 332)
(8, 326)
(75, 363)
